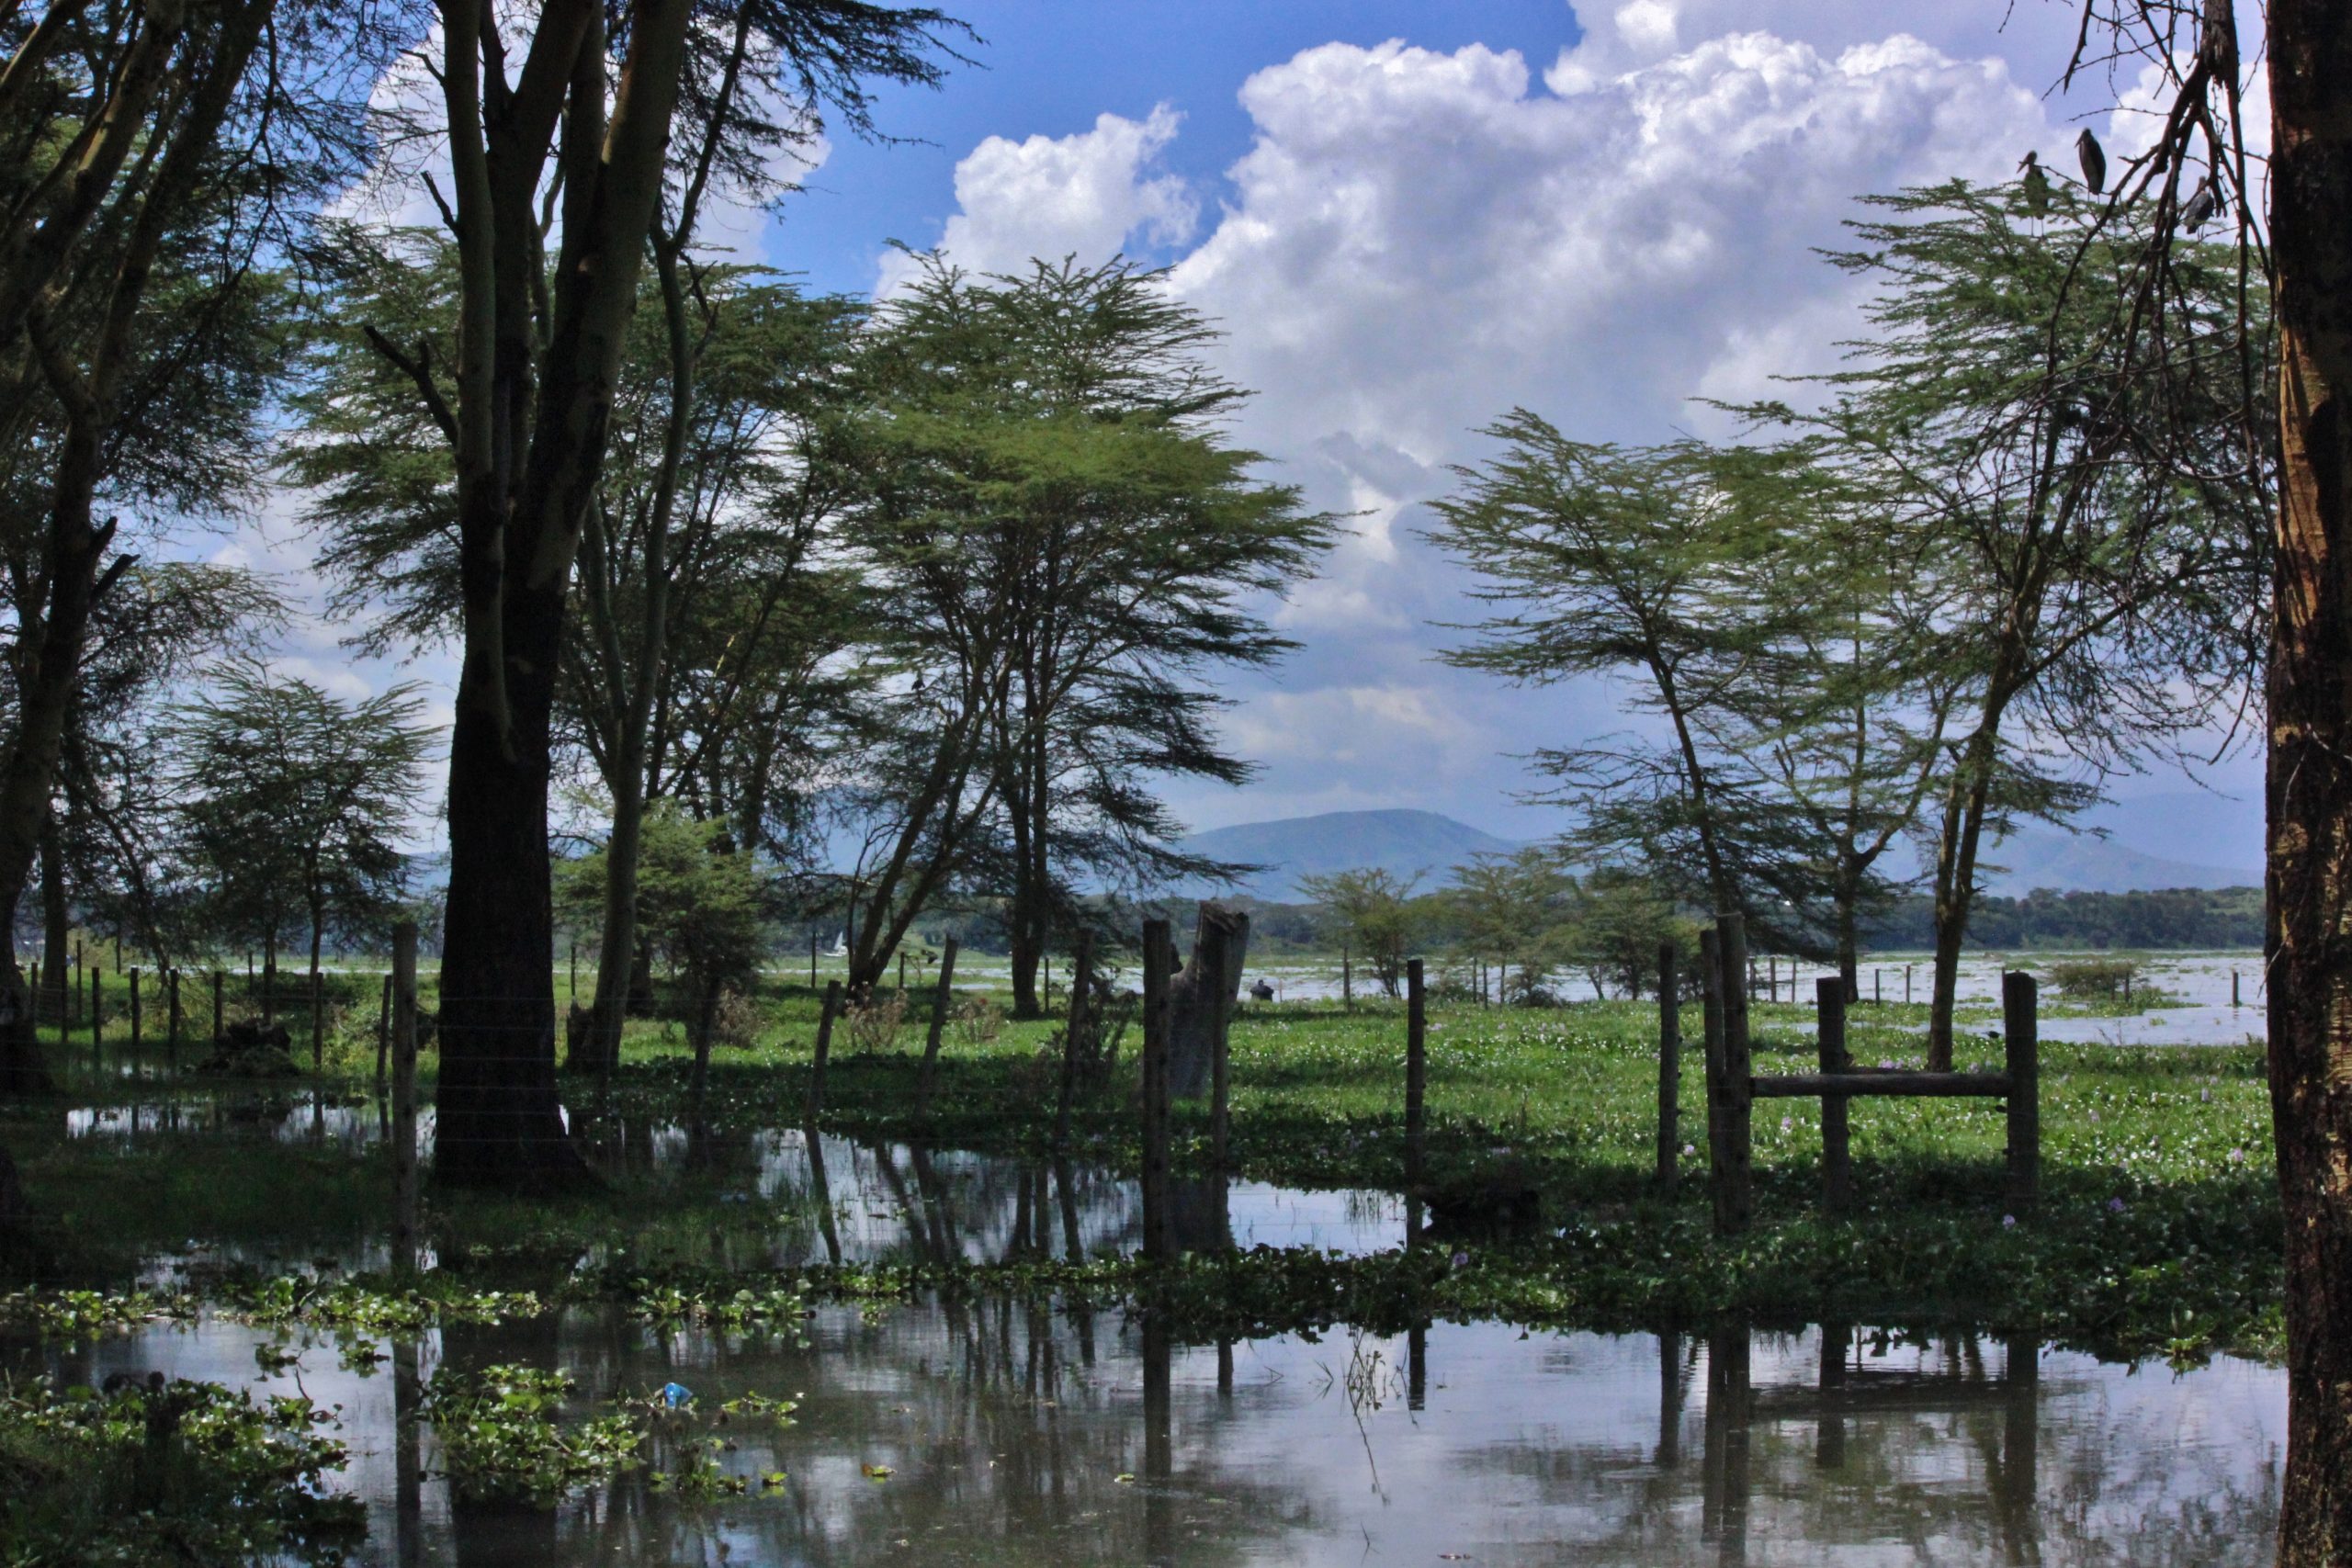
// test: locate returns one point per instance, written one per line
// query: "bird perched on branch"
(2037, 185)
(2094, 159)
(2202, 207)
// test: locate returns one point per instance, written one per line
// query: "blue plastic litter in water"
(676, 1394)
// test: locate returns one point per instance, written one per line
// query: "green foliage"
(1517, 911)
(2085, 978)
(1067, 545)
(700, 900)
(2173, 918)
(166, 1471)
(293, 800)
(501, 1435)
(1657, 566)
(1373, 912)
(1621, 918)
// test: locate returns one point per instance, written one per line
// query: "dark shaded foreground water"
(1013, 1435)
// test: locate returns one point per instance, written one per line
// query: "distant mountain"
(1402, 842)
(2078, 863)
(1407, 842)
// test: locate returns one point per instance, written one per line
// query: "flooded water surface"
(996, 1433)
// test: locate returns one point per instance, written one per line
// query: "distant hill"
(1406, 842)
(1402, 842)
(2077, 863)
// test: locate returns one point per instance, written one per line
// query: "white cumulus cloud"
(1417, 240)
(1088, 195)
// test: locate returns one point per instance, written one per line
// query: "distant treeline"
(2172, 917)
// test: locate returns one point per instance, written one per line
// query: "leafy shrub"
(500, 1436)
(978, 1020)
(874, 1025)
(736, 1021)
(2087, 979)
(173, 1471)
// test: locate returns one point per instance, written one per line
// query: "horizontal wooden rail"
(1733, 1088)
(1916, 1086)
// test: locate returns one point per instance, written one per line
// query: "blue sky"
(1049, 68)
(1410, 217)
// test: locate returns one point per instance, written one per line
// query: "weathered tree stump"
(1200, 994)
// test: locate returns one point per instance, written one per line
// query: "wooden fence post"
(1157, 1226)
(138, 1033)
(1417, 1074)
(404, 1095)
(1347, 976)
(1669, 1068)
(1734, 1198)
(97, 1011)
(383, 1029)
(317, 1021)
(217, 979)
(1081, 990)
(1836, 1164)
(821, 1055)
(2021, 1027)
(1221, 1063)
(2233, 988)
(929, 1072)
(172, 1046)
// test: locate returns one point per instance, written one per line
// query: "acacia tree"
(1648, 563)
(112, 837)
(698, 605)
(701, 606)
(293, 800)
(2074, 502)
(570, 151)
(143, 151)
(1514, 911)
(1063, 429)
(1844, 714)
(701, 905)
(1373, 910)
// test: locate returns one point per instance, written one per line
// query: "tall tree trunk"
(2310, 784)
(498, 1115)
(522, 503)
(1033, 894)
(56, 915)
(1963, 832)
(48, 662)
(633, 720)
(600, 1045)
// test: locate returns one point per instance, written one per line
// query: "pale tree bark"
(530, 432)
(631, 716)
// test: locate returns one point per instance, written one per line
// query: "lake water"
(1016, 1434)
(2208, 998)
(1041, 1433)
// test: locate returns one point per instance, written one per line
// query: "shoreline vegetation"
(165, 1203)
(2158, 1233)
